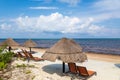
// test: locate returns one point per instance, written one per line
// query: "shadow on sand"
(54, 68)
(117, 65)
(57, 68)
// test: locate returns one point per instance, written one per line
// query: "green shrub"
(1, 78)
(5, 58)
(2, 48)
(2, 65)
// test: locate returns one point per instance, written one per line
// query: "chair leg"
(95, 73)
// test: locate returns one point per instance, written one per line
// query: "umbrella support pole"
(9, 48)
(63, 67)
(30, 49)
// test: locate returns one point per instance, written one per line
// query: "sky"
(59, 18)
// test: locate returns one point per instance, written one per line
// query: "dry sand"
(106, 66)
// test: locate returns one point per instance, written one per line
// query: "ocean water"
(105, 46)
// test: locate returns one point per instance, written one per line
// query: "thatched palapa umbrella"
(9, 42)
(66, 50)
(30, 43)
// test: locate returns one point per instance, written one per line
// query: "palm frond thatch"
(29, 43)
(9, 42)
(66, 50)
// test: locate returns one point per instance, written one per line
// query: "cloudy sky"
(60, 18)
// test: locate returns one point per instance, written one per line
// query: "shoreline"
(95, 56)
(91, 55)
(103, 57)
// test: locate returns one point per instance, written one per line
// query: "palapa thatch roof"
(9, 42)
(29, 43)
(66, 50)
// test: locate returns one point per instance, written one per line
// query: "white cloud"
(56, 22)
(108, 5)
(71, 2)
(106, 9)
(5, 26)
(110, 32)
(43, 7)
(2, 20)
(106, 16)
(86, 27)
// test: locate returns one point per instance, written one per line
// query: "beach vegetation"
(28, 72)
(1, 78)
(31, 66)
(33, 77)
(20, 65)
(6, 57)
(2, 65)
(24, 65)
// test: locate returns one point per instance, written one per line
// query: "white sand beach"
(46, 70)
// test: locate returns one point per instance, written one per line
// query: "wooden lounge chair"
(20, 55)
(84, 72)
(29, 55)
(72, 68)
(35, 58)
(80, 70)
(25, 53)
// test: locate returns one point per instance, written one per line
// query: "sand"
(104, 57)
(106, 66)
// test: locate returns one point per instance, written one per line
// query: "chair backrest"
(82, 71)
(19, 54)
(72, 67)
(31, 56)
(25, 53)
